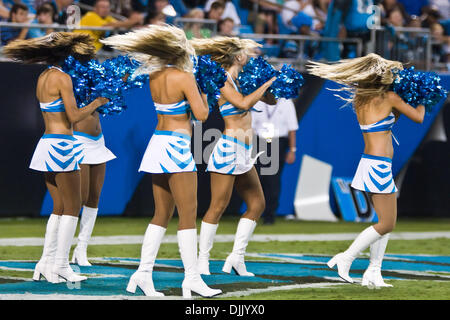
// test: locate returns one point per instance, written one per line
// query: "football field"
(288, 259)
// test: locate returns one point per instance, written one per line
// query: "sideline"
(132, 239)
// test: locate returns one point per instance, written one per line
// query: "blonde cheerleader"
(368, 81)
(231, 163)
(55, 154)
(165, 55)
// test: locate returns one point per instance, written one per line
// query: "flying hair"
(362, 78)
(52, 48)
(154, 47)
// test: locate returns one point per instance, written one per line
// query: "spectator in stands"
(100, 17)
(44, 15)
(414, 22)
(229, 10)
(353, 15)
(320, 8)
(180, 7)
(195, 29)
(4, 12)
(31, 4)
(443, 6)
(294, 18)
(156, 12)
(215, 11)
(440, 49)
(225, 27)
(264, 19)
(387, 6)
(17, 14)
(133, 12)
(430, 16)
(59, 7)
(396, 18)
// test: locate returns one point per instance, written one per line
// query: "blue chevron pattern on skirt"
(374, 174)
(55, 153)
(231, 156)
(168, 152)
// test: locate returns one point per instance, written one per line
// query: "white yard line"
(133, 239)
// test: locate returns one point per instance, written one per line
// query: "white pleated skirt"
(231, 156)
(56, 153)
(168, 152)
(374, 174)
(93, 148)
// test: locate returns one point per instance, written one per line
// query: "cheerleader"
(368, 80)
(231, 163)
(93, 158)
(166, 54)
(55, 154)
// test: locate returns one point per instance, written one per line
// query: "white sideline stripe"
(117, 240)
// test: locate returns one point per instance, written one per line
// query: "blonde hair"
(155, 46)
(52, 48)
(363, 78)
(224, 50)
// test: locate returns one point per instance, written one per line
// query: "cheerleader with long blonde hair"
(367, 82)
(166, 55)
(231, 163)
(54, 154)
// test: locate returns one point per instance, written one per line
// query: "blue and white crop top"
(54, 106)
(227, 109)
(181, 107)
(385, 124)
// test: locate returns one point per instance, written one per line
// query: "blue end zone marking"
(112, 279)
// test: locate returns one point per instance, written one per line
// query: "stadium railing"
(408, 45)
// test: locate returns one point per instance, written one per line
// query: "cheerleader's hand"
(101, 101)
(267, 84)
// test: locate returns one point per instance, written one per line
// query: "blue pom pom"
(108, 79)
(258, 71)
(210, 77)
(288, 83)
(418, 88)
(254, 74)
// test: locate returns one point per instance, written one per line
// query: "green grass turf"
(107, 226)
(401, 290)
(221, 250)
(408, 290)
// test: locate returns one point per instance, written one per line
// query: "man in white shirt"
(275, 127)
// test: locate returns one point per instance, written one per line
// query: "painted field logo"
(108, 277)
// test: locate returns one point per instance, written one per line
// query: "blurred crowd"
(314, 18)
